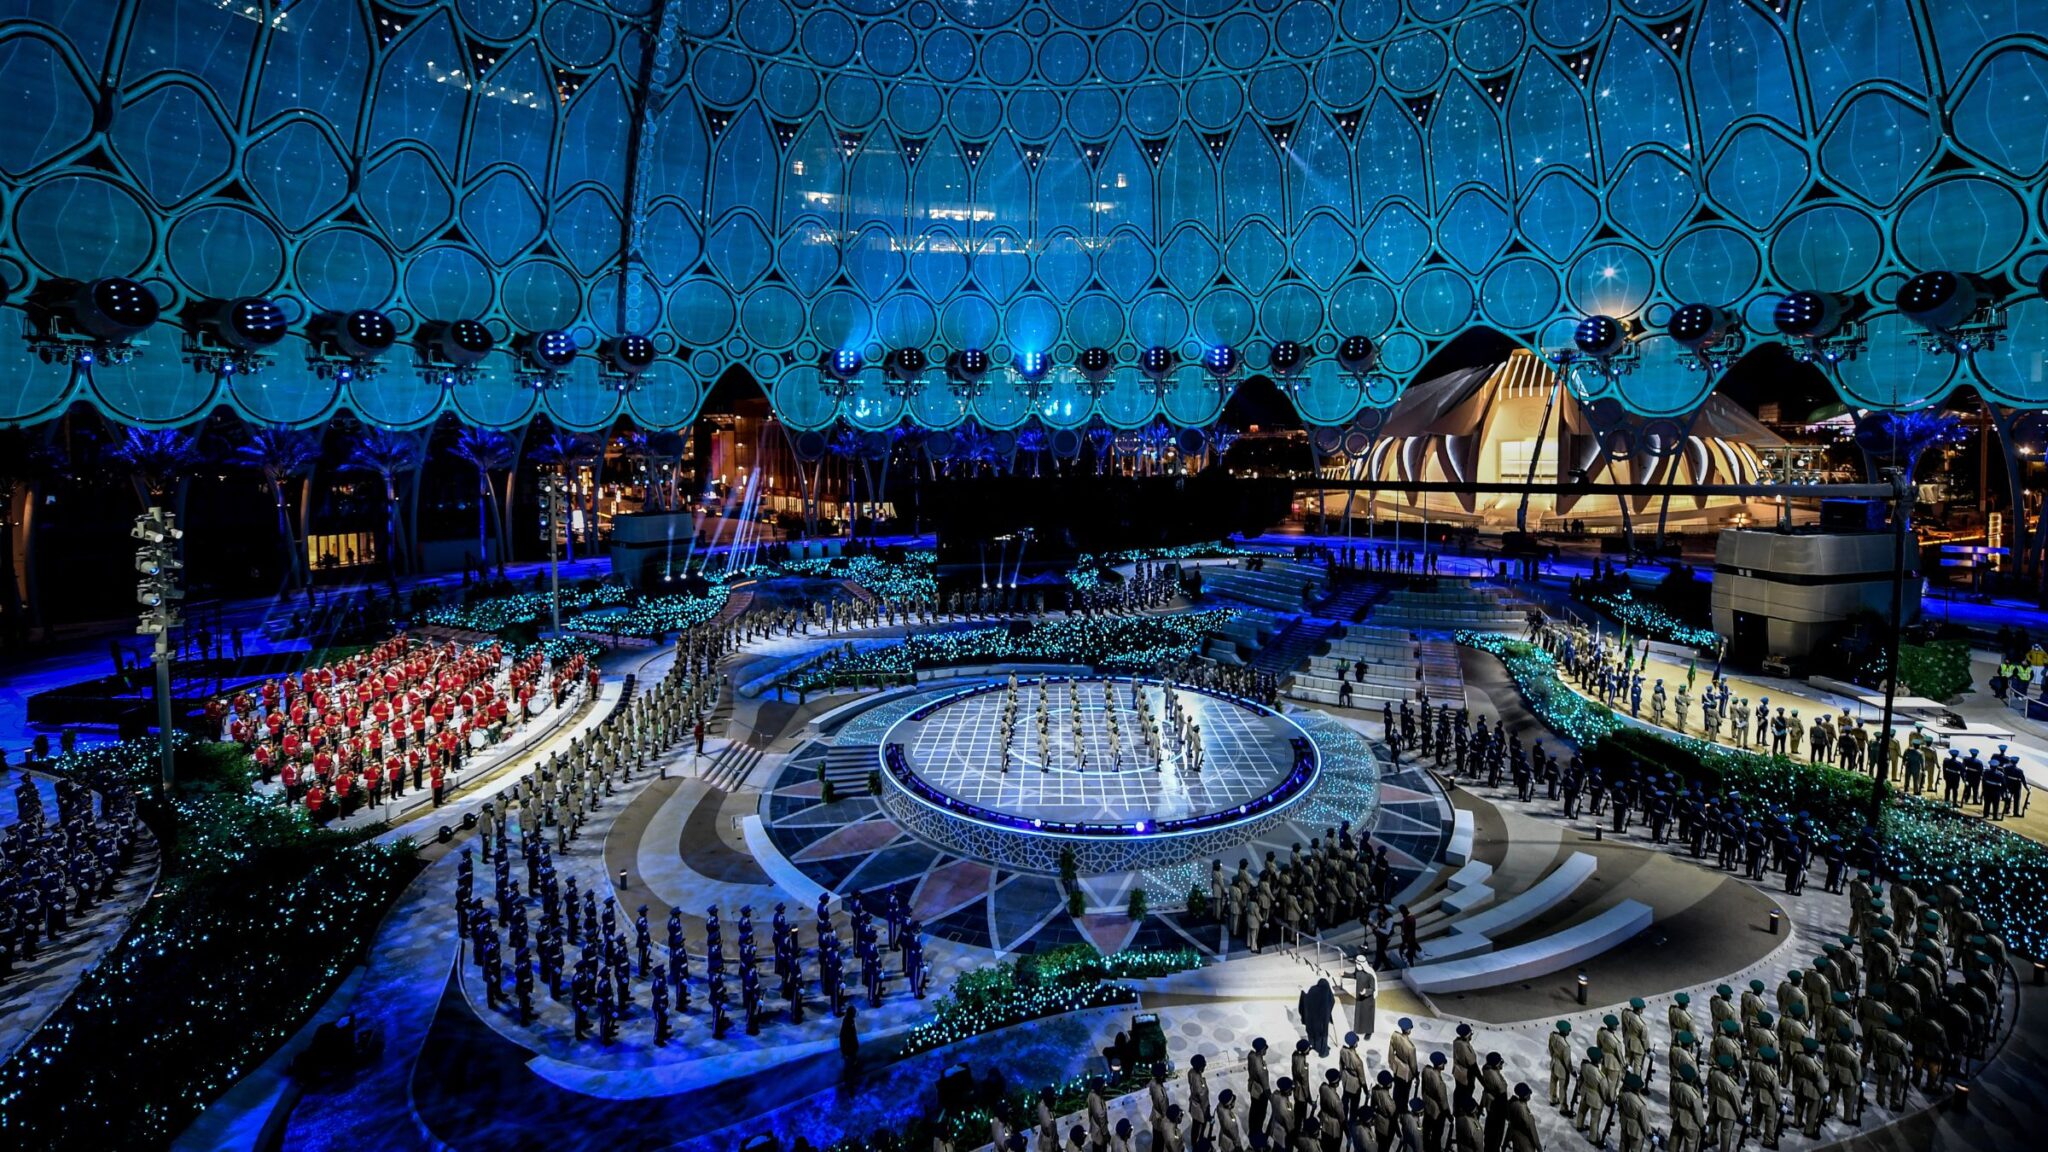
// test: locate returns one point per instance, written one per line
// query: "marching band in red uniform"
(362, 729)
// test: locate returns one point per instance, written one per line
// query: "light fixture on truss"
(1600, 348)
(234, 337)
(1095, 365)
(549, 355)
(1959, 313)
(1819, 327)
(967, 372)
(1710, 335)
(451, 353)
(96, 322)
(1031, 373)
(1220, 364)
(350, 346)
(839, 373)
(624, 360)
(1157, 364)
(1288, 362)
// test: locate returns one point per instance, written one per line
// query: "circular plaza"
(1104, 768)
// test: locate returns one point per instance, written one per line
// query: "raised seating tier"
(1546, 954)
(1452, 935)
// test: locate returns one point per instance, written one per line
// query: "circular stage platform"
(1116, 808)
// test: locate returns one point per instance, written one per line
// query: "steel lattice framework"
(759, 182)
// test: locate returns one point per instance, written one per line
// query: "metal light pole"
(158, 593)
(552, 486)
(1902, 511)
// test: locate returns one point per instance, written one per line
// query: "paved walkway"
(459, 1073)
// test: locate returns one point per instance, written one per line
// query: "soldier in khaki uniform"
(1352, 1066)
(1724, 1104)
(1383, 1110)
(1401, 1062)
(1808, 1087)
(1436, 1102)
(1679, 1016)
(1561, 1067)
(1683, 1055)
(1766, 1110)
(1752, 1001)
(1470, 1137)
(1635, 1038)
(1465, 1061)
(1893, 1063)
(1722, 1005)
(1688, 1113)
(1592, 1095)
(1635, 1114)
(1845, 1078)
(1522, 1133)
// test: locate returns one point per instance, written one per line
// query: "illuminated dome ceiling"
(762, 183)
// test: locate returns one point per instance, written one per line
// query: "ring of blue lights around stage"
(1261, 762)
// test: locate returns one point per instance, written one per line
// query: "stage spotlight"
(1157, 363)
(463, 343)
(1809, 315)
(114, 308)
(1600, 336)
(1287, 357)
(968, 365)
(250, 324)
(1221, 361)
(842, 363)
(1940, 300)
(629, 355)
(1032, 366)
(552, 351)
(1096, 364)
(1697, 325)
(905, 364)
(1356, 355)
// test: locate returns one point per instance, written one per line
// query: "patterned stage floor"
(958, 751)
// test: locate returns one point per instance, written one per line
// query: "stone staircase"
(1286, 652)
(1280, 585)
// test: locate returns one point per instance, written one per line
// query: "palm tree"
(283, 455)
(487, 451)
(159, 462)
(390, 455)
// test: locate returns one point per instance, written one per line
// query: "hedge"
(1922, 842)
(256, 918)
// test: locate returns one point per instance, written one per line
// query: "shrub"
(1137, 906)
(1075, 905)
(1938, 670)
(256, 918)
